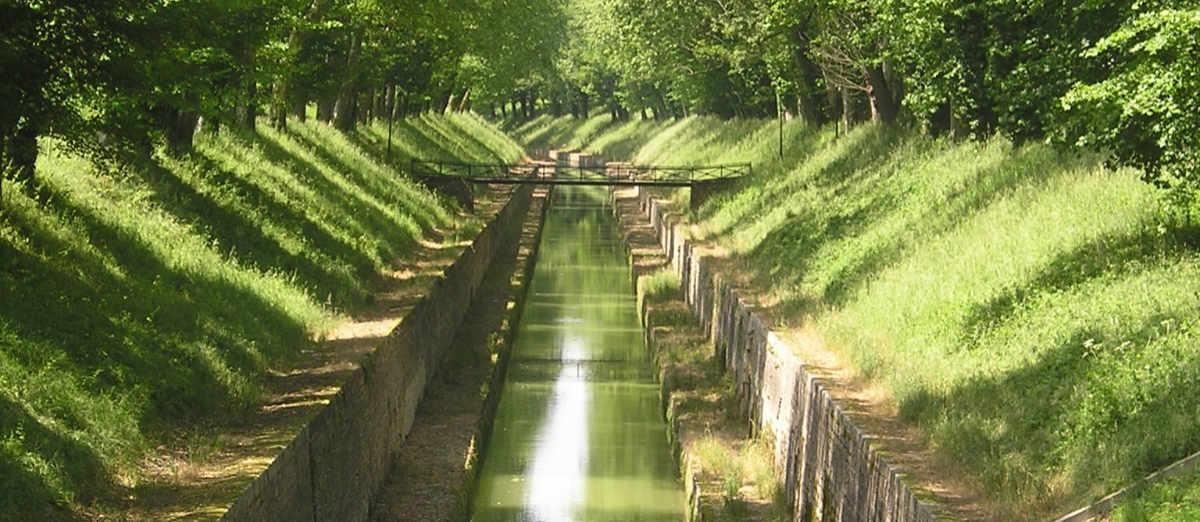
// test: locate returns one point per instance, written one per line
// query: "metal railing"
(609, 174)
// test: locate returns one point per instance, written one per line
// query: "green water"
(578, 434)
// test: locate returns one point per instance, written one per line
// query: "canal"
(578, 435)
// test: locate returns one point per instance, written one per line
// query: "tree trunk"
(285, 96)
(22, 152)
(179, 129)
(466, 101)
(210, 125)
(808, 92)
(883, 100)
(279, 105)
(847, 109)
(325, 108)
(345, 113)
(389, 101)
(300, 109)
(248, 110)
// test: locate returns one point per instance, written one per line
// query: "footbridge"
(455, 178)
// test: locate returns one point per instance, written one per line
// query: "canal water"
(578, 434)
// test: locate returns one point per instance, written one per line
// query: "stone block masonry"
(830, 470)
(334, 467)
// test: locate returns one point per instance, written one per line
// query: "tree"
(48, 51)
(1146, 111)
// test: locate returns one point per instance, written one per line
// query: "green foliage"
(1049, 348)
(1146, 112)
(1176, 500)
(142, 301)
(658, 285)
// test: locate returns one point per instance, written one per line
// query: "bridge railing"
(551, 172)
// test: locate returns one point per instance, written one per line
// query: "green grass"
(1175, 500)
(147, 300)
(1029, 308)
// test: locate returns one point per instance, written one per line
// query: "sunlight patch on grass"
(139, 302)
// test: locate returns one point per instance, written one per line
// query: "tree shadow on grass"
(376, 146)
(478, 150)
(376, 222)
(405, 138)
(1111, 255)
(358, 210)
(28, 494)
(129, 321)
(624, 148)
(461, 146)
(1007, 429)
(243, 234)
(769, 179)
(792, 250)
(975, 194)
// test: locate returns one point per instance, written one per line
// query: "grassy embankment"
(139, 303)
(1029, 309)
(1176, 500)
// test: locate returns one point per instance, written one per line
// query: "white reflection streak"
(556, 477)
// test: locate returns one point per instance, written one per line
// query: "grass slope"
(1175, 500)
(137, 302)
(1030, 309)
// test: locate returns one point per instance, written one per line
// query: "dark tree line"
(116, 78)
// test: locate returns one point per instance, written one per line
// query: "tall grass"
(139, 302)
(1175, 500)
(1029, 308)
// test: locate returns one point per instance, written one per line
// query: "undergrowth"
(1033, 311)
(1175, 500)
(146, 300)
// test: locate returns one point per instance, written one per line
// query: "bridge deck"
(611, 174)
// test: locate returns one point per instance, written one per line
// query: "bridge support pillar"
(455, 188)
(702, 191)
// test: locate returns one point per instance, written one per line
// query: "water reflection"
(578, 434)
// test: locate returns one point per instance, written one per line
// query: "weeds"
(1176, 500)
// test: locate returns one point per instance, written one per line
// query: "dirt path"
(428, 481)
(200, 473)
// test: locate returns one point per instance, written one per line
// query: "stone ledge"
(334, 467)
(831, 471)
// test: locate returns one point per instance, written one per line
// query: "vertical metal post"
(779, 111)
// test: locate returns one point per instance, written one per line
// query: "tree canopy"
(111, 75)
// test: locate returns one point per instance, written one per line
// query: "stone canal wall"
(331, 470)
(831, 471)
